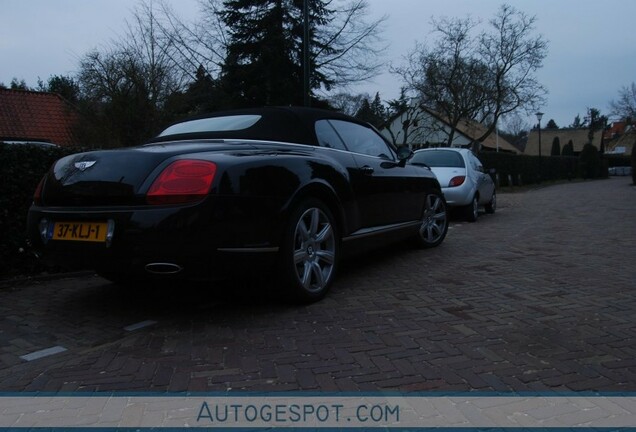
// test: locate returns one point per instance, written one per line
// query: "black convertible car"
(234, 193)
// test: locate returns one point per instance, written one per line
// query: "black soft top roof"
(286, 124)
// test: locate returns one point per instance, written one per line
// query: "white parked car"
(465, 183)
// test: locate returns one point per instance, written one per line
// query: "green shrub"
(21, 168)
(590, 162)
(556, 147)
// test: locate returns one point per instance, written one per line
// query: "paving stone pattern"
(540, 296)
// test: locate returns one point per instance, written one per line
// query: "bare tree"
(191, 44)
(515, 125)
(449, 78)
(352, 43)
(515, 130)
(126, 85)
(347, 103)
(145, 41)
(625, 106)
(514, 54)
(478, 77)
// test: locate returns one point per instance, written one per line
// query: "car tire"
(491, 207)
(472, 210)
(310, 252)
(434, 225)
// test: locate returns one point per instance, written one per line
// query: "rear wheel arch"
(322, 192)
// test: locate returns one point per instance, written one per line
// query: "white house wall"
(429, 129)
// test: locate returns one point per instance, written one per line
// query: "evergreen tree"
(568, 149)
(203, 94)
(200, 96)
(551, 125)
(19, 84)
(556, 147)
(590, 162)
(372, 112)
(577, 122)
(596, 122)
(379, 111)
(65, 86)
(264, 63)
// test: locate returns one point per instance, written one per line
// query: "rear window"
(439, 158)
(213, 124)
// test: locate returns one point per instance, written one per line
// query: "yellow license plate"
(80, 231)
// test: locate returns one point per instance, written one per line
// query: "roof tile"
(30, 115)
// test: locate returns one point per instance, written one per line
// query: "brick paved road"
(540, 296)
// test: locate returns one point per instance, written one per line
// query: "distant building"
(37, 116)
(616, 130)
(419, 127)
(578, 136)
(624, 144)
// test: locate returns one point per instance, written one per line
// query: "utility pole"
(306, 66)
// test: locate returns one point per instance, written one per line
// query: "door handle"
(367, 170)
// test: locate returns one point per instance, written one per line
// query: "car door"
(485, 185)
(386, 191)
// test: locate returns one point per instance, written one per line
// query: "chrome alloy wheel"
(434, 221)
(314, 249)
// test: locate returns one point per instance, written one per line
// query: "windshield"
(439, 158)
(213, 124)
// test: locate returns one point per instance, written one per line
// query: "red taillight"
(456, 181)
(37, 195)
(182, 181)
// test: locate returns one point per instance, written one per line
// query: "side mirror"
(404, 152)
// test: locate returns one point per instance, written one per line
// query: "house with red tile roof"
(37, 116)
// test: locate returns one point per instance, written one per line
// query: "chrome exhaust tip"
(163, 268)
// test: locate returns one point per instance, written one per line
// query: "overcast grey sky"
(592, 44)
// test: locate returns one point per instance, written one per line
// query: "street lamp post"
(539, 116)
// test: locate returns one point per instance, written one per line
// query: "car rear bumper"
(458, 196)
(191, 242)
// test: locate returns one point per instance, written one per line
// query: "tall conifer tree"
(264, 55)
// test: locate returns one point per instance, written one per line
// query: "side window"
(476, 163)
(361, 139)
(327, 136)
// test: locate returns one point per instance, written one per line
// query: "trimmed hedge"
(614, 160)
(633, 162)
(522, 169)
(21, 168)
